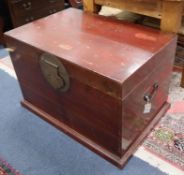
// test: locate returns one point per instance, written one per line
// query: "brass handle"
(16, 1)
(54, 72)
(149, 96)
(52, 11)
(27, 5)
(52, 1)
(29, 19)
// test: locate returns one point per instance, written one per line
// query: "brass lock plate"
(54, 72)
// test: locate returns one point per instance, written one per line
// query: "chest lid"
(104, 52)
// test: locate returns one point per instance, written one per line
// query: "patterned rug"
(167, 138)
(6, 169)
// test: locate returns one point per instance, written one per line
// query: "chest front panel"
(90, 112)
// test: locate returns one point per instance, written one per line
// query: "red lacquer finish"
(112, 66)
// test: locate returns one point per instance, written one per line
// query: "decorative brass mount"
(54, 72)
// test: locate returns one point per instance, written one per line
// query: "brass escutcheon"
(54, 72)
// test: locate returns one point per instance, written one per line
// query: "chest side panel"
(148, 96)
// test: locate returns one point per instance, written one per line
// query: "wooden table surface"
(169, 11)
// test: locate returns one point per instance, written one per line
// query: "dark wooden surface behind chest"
(1, 30)
(24, 11)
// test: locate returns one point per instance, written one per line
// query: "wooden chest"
(101, 81)
(25, 11)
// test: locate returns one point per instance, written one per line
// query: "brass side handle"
(27, 5)
(149, 96)
(52, 1)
